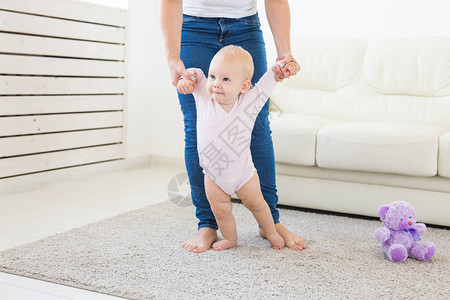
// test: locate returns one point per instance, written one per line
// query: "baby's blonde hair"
(240, 55)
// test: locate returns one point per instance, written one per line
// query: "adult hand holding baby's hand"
(178, 69)
(185, 86)
(286, 67)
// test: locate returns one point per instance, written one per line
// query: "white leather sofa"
(365, 123)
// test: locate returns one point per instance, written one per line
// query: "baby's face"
(225, 81)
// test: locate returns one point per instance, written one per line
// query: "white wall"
(371, 19)
(123, 4)
(155, 124)
(154, 117)
(365, 19)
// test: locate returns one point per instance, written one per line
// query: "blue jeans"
(201, 38)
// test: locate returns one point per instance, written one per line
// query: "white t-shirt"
(220, 8)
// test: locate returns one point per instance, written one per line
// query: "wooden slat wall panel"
(59, 104)
(30, 144)
(68, 9)
(36, 45)
(32, 65)
(54, 160)
(37, 25)
(62, 85)
(10, 126)
(22, 85)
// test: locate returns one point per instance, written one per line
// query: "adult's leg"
(197, 49)
(207, 226)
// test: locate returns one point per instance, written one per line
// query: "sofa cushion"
(294, 137)
(408, 66)
(444, 155)
(399, 148)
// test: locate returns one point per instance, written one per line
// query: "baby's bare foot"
(223, 245)
(201, 241)
(276, 241)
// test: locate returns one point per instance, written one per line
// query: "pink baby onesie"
(223, 139)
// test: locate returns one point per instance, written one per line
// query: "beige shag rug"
(138, 255)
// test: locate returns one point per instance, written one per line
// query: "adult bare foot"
(224, 245)
(201, 241)
(276, 241)
(291, 240)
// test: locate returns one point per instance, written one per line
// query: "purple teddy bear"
(398, 238)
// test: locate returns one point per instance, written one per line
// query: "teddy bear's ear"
(382, 211)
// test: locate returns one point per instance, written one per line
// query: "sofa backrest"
(395, 79)
(408, 66)
(328, 80)
(406, 80)
(328, 63)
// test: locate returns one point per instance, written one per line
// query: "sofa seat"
(385, 147)
(444, 155)
(294, 137)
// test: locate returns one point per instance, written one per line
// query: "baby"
(227, 108)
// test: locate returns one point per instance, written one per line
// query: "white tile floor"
(34, 214)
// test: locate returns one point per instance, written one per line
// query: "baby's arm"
(259, 94)
(265, 86)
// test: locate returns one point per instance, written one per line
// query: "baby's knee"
(221, 211)
(254, 204)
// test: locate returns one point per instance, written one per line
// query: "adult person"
(194, 31)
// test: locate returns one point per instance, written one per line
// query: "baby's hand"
(185, 86)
